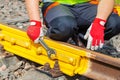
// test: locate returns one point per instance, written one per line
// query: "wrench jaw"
(51, 53)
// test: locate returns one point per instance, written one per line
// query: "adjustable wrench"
(47, 48)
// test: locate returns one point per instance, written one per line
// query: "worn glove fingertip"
(86, 37)
(92, 47)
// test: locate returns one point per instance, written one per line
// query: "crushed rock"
(115, 41)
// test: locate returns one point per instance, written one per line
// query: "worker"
(66, 18)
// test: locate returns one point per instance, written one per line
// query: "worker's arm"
(105, 7)
(33, 9)
(34, 31)
(95, 33)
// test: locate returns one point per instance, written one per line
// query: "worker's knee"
(112, 26)
(62, 28)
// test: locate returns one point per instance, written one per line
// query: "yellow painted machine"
(72, 59)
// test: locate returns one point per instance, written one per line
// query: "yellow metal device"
(17, 42)
(72, 59)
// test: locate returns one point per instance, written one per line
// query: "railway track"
(72, 60)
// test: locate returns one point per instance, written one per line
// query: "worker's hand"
(35, 31)
(95, 34)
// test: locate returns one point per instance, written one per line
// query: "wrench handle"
(44, 44)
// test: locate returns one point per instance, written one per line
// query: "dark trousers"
(64, 21)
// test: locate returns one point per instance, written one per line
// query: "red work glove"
(95, 34)
(35, 31)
